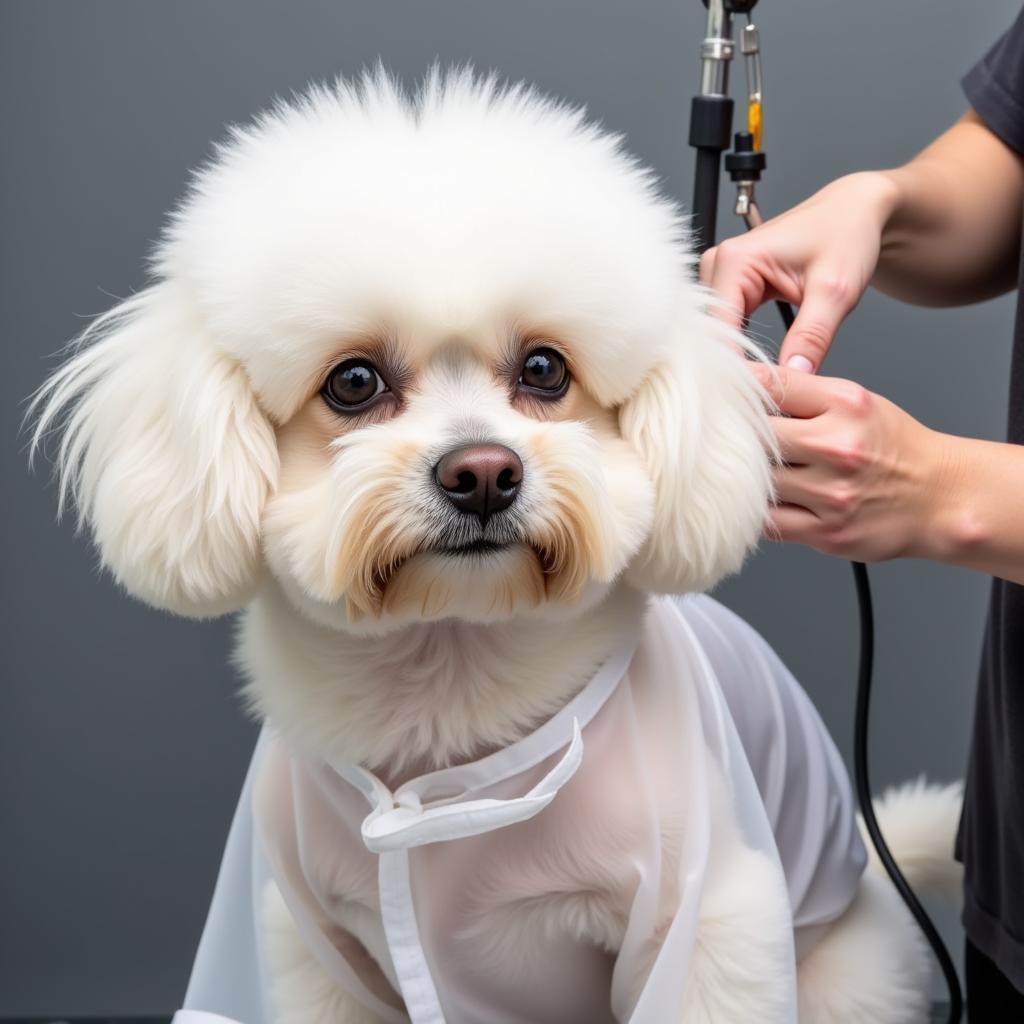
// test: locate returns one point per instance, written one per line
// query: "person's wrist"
(875, 195)
(880, 194)
(950, 525)
(899, 225)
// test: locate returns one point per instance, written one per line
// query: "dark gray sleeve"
(995, 86)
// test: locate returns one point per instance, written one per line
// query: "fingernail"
(801, 363)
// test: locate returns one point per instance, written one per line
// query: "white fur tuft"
(919, 821)
(701, 425)
(165, 453)
(872, 967)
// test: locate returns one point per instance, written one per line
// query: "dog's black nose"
(480, 479)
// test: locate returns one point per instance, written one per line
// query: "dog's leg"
(870, 967)
(740, 953)
(301, 990)
(742, 945)
(742, 950)
(873, 964)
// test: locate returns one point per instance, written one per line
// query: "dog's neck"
(428, 695)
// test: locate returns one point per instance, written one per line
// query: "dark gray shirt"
(991, 838)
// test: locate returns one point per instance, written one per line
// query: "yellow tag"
(754, 121)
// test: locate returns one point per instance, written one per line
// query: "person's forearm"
(978, 519)
(951, 219)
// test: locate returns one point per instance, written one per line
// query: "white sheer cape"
(699, 703)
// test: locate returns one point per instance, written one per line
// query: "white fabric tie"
(399, 820)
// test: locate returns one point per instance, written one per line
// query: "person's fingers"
(795, 393)
(807, 487)
(738, 284)
(707, 265)
(720, 308)
(729, 307)
(795, 440)
(791, 523)
(825, 305)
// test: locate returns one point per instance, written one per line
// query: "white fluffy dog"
(427, 388)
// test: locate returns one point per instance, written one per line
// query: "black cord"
(860, 771)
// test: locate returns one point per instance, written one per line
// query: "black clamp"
(745, 163)
(737, 6)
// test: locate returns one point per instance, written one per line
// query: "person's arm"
(942, 229)
(953, 230)
(863, 479)
(982, 526)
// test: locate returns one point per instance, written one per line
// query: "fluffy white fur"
(166, 453)
(440, 237)
(911, 817)
(876, 937)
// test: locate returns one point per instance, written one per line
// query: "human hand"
(820, 255)
(860, 477)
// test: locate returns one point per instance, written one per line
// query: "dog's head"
(419, 359)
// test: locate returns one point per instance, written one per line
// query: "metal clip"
(747, 161)
(750, 44)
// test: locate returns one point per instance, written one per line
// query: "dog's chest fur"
(501, 906)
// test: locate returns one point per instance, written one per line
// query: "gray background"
(122, 745)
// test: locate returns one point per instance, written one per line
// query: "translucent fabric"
(686, 744)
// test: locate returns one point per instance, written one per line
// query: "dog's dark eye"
(545, 370)
(352, 385)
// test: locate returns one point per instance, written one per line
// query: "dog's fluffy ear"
(166, 454)
(700, 423)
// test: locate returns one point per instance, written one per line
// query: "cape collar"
(434, 807)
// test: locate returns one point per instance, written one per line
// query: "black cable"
(862, 782)
(860, 771)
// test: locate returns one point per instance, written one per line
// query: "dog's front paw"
(742, 955)
(301, 990)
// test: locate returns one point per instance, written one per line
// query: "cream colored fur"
(870, 967)
(442, 238)
(920, 820)
(876, 938)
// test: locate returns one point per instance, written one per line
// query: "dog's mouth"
(474, 547)
(465, 538)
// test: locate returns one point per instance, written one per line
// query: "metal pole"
(711, 121)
